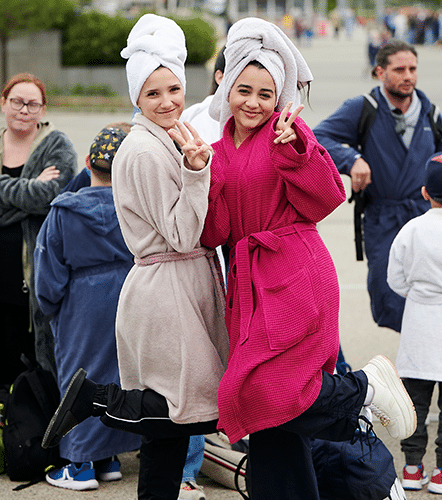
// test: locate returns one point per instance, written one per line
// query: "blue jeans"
(194, 459)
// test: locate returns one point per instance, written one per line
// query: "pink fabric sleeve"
(314, 185)
(217, 224)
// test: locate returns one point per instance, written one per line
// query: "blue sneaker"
(108, 470)
(73, 478)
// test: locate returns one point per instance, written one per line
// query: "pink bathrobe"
(283, 294)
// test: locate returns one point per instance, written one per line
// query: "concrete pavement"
(339, 68)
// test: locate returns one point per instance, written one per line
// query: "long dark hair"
(220, 65)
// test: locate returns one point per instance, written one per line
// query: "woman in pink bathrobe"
(271, 182)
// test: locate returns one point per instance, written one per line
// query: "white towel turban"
(154, 41)
(253, 39)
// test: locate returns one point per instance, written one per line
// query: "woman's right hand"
(195, 150)
(284, 129)
(49, 174)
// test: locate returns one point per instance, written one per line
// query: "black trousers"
(280, 458)
(161, 467)
(164, 443)
(414, 447)
(16, 339)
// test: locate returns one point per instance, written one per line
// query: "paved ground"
(339, 70)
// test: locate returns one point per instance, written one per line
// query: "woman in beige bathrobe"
(171, 337)
(170, 329)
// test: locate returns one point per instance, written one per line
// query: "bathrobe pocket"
(290, 310)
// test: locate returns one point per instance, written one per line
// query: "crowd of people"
(119, 292)
(416, 25)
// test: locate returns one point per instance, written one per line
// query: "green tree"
(29, 15)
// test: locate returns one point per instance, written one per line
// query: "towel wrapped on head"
(154, 41)
(254, 39)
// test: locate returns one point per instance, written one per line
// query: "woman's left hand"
(284, 128)
(196, 151)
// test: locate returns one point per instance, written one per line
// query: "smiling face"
(252, 101)
(162, 98)
(23, 122)
(400, 75)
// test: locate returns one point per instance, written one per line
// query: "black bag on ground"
(33, 400)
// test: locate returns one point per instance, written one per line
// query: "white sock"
(369, 396)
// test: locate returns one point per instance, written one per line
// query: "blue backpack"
(361, 470)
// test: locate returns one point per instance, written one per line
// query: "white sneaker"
(189, 490)
(391, 402)
(368, 416)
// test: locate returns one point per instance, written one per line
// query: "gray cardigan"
(27, 200)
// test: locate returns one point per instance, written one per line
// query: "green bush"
(200, 39)
(95, 39)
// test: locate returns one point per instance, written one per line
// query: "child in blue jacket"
(81, 261)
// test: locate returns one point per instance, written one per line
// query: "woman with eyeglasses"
(37, 161)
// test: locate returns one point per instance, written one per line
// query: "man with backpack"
(382, 142)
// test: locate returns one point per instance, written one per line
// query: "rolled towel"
(154, 41)
(253, 39)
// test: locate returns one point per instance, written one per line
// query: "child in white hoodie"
(415, 272)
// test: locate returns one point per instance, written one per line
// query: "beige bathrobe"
(171, 335)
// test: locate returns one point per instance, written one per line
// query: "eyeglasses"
(17, 105)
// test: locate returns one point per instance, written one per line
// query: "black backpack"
(33, 399)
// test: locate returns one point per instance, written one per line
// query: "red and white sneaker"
(435, 485)
(414, 477)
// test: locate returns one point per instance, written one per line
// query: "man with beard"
(387, 165)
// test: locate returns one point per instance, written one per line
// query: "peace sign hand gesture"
(284, 128)
(195, 150)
